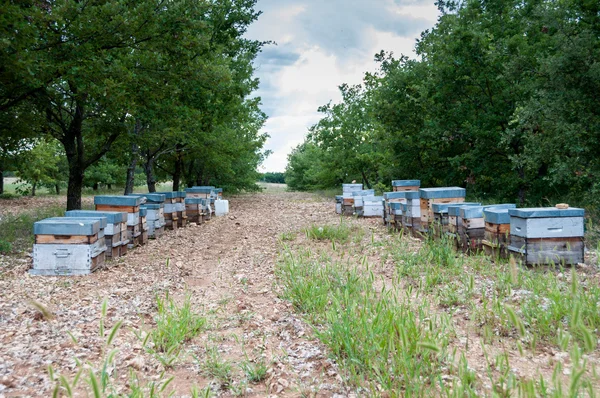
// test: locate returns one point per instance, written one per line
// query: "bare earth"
(226, 266)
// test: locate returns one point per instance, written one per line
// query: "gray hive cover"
(67, 226)
(116, 200)
(112, 217)
(406, 183)
(442, 192)
(546, 212)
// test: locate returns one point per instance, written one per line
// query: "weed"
(16, 231)
(335, 233)
(255, 371)
(287, 236)
(214, 366)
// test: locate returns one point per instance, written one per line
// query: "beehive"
(197, 209)
(547, 235)
(389, 198)
(143, 237)
(203, 192)
(358, 199)
(125, 204)
(115, 232)
(372, 206)
(348, 198)
(68, 246)
(339, 202)
(454, 220)
(429, 196)
(472, 230)
(411, 212)
(497, 232)
(154, 219)
(182, 219)
(170, 209)
(406, 185)
(396, 215)
(439, 226)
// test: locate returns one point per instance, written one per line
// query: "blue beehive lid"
(67, 226)
(394, 195)
(442, 207)
(546, 212)
(496, 216)
(181, 194)
(219, 190)
(196, 201)
(443, 192)
(339, 198)
(404, 207)
(112, 217)
(150, 197)
(412, 195)
(373, 198)
(477, 211)
(103, 222)
(151, 206)
(114, 200)
(406, 183)
(143, 212)
(169, 194)
(454, 208)
(364, 192)
(199, 190)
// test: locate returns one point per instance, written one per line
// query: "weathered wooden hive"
(372, 206)
(115, 233)
(197, 209)
(170, 209)
(441, 220)
(339, 202)
(411, 212)
(389, 198)
(497, 232)
(472, 230)
(406, 185)
(204, 192)
(358, 200)
(68, 246)
(395, 209)
(124, 204)
(219, 192)
(143, 237)
(348, 198)
(154, 219)
(455, 221)
(429, 196)
(547, 235)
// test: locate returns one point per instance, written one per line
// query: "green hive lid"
(454, 208)
(114, 200)
(67, 226)
(394, 195)
(406, 183)
(443, 192)
(112, 217)
(546, 212)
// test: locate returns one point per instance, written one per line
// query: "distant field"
(10, 186)
(272, 188)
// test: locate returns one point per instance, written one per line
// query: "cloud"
(320, 45)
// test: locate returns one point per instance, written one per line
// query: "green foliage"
(16, 231)
(42, 165)
(333, 233)
(273, 178)
(503, 100)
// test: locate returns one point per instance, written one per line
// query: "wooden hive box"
(389, 198)
(116, 223)
(358, 200)
(182, 219)
(547, 235)
(339, 202)
(372, 206)
(411, 213)
(127, 204)
(194, 208)
(396, 214)
(497, 232)
(439, 226)
(154, 219)
(219, 192)
(170, 210)
(67, 246)
(472, 230)
(143, 237)
(429, 196)
(455, 221)
(203, 192)
(406, 185)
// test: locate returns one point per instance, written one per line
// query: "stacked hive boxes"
(547, 236)
(182, 218)
(472, 230)
(372, 206)
(393, 213)
(143, 237)
(208, 194)
(348, 198)
(170, 209)
(155, 216)
(439, 227)
(497, 232)
(123, 204)
(68, 246)
(358, 197)
(115, 233)
(339, 202)
(406, 185)
(395, 217)
(429, 196)
(411, 212)
(455, 221)
(196, 209)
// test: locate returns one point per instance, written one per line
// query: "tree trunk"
(150, 179)
(57, 188)
(365, 180)
(96, 186)
(177, 173)
(135, 150)
(1, 181)
(74, 188)
(109, 186)
(33, 187)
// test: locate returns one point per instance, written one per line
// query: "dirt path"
(225, 266)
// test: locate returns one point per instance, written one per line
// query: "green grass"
(216, 367)
(335, 233)
(16, 231)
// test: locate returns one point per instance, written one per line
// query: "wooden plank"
(498, 228)
(406, 189)
(66, 239)
(540, 251)
(123, 209)
(473, 223)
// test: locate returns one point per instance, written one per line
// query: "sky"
(321, 44)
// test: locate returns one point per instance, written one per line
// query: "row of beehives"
(80, 242)
(549, 235)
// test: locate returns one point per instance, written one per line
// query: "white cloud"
(320, 46)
